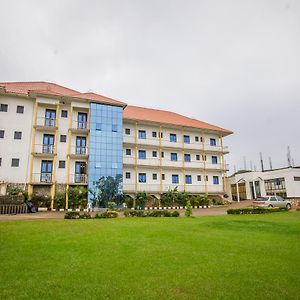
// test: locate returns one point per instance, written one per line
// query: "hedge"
(255, 210)
(86, 215)
(153, 213)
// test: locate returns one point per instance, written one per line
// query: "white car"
(272, 201)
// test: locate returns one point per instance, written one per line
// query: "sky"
(235, 64)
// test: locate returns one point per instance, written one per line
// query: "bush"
(41, 201)
(152, 213)
(255, 210)
(85, 215)
(72, 215)
(189, 210)
(111, 205)
(59, 201)
(77, 197)
(15, 191)
(107, 214)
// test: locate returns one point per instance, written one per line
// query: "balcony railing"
(79, 178)
(80, 125)
(47, 122)
(43, 149)
(42, 177)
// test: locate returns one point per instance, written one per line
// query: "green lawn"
(222, 257)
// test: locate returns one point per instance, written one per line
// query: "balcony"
(148, 162)
(42, 178)
(151, 142)
(79, 152)
(43, 150)
(45, 124)
(79, 179)
(80, 127)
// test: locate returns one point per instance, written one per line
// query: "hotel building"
(53, 137)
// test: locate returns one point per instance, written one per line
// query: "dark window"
(0, 161)
(154, 153)
(18, 135)
(20, 109)
(127, 175)
(163, 176)
(161, 135)
(46, 171)
(3, 107)
(173, 137)
(142, 177)
(64, 113)
(296, 178)
(187, 157)
(127, 130)
(154, 176)
(201, 139)
(213, 142)
(198, 177)
(142, 134)
(142, 154)
(114, 127)
(154, 134)
(63, 138)
(196, 138)
(128, 151)
(214, 160)
(62, 164)
(197, 157)
(162, 154)
(175, 178)
(1, 134)
(186, 139)
(173, 156)
(188, 179)
(98, 126)
(206, 178)
(203, 157)
(15, 162)
(215, 179)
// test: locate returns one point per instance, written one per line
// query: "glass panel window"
(213, 142)
(1, 134)
(187, 139)
(64, 113)
(174, 156)
(197, 157)
(142, 154)
(98, 126)
(127, 175)
(46, 171)
(80, 172)
(20, 109)
(142, 134)
(50, 116)
(15, 162)
(82, 120)
(48, 143)
(3, 107)
(215, 179)
(154, 134)
(188, 179)
(154, 176)
(198, 177)
(114, 128)
(128, 151)
(173, 137)
(175, 179)
(214, 160)
(187, 157)
(127, 131)
(142, 177)
(63, 138)
(163, 176)
(18, 135)
(154, 153)
(62, 164)
(81, 145)
(196, 138)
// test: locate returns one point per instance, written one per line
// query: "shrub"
(140, 199)
(72, 215)
(41, 201)
(135, 213)
(298, 209)
(77, 197)
(85, 215)
(152, 213)
(107, 214)
(189, 210)
(128, 201)
(111, 205)
(15, 191)
(255, 210)
(175, 213)
(59, 200)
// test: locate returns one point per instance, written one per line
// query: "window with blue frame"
(173, 137)
(98, 126)
(186, 139)
(173, 156)
(142, 154)
(215, 179)
(142, 134)
(188, 179)
(213, 142)
(187, 157)
(175, 179)
(214, 160)
(142, 178)
(114, 128)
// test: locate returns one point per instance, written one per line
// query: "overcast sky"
(235, 64)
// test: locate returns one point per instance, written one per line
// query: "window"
(296, 178)
(18, 135)
(154, 176)
(64, 113)
(3, 107)
(163, 176)
(187, 157)
(98, 126)
(204, 157)
(154, 153)
(214, 160)
(82, 120)
(154, 134)
(197, 157)
(50, 117)
(198, 177)
(162, 155)
(127, 130)
(81, 145)
(127, 175)
(174, 156)
(114, 128)
(186, 139)
(161, 135)
(48, 142)
(142, 134)
(201, 139)
(128, 151)
(173, 137)
(175, 179)
(206, 178)
(20, 109)
(0, 161)
(215, 179)
(142, 154)
(213, 142)
(62, 164)
(188, 179)
(142, 177)
(1, 134)
(63, 138)
(15, 162)
(196, 138)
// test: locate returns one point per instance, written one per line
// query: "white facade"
(284, 182)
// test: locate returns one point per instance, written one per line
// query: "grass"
(223, 257)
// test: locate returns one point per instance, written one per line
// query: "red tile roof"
(167, 117)
(50, 88)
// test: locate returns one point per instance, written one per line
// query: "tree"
(141, 198)
(189, 210)
(170, 197)
(77, 197)
(107, 189)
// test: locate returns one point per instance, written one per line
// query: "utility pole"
(261, 161)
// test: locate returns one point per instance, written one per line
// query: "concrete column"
(238, 192)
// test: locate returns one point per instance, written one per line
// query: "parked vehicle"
(272, 201)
